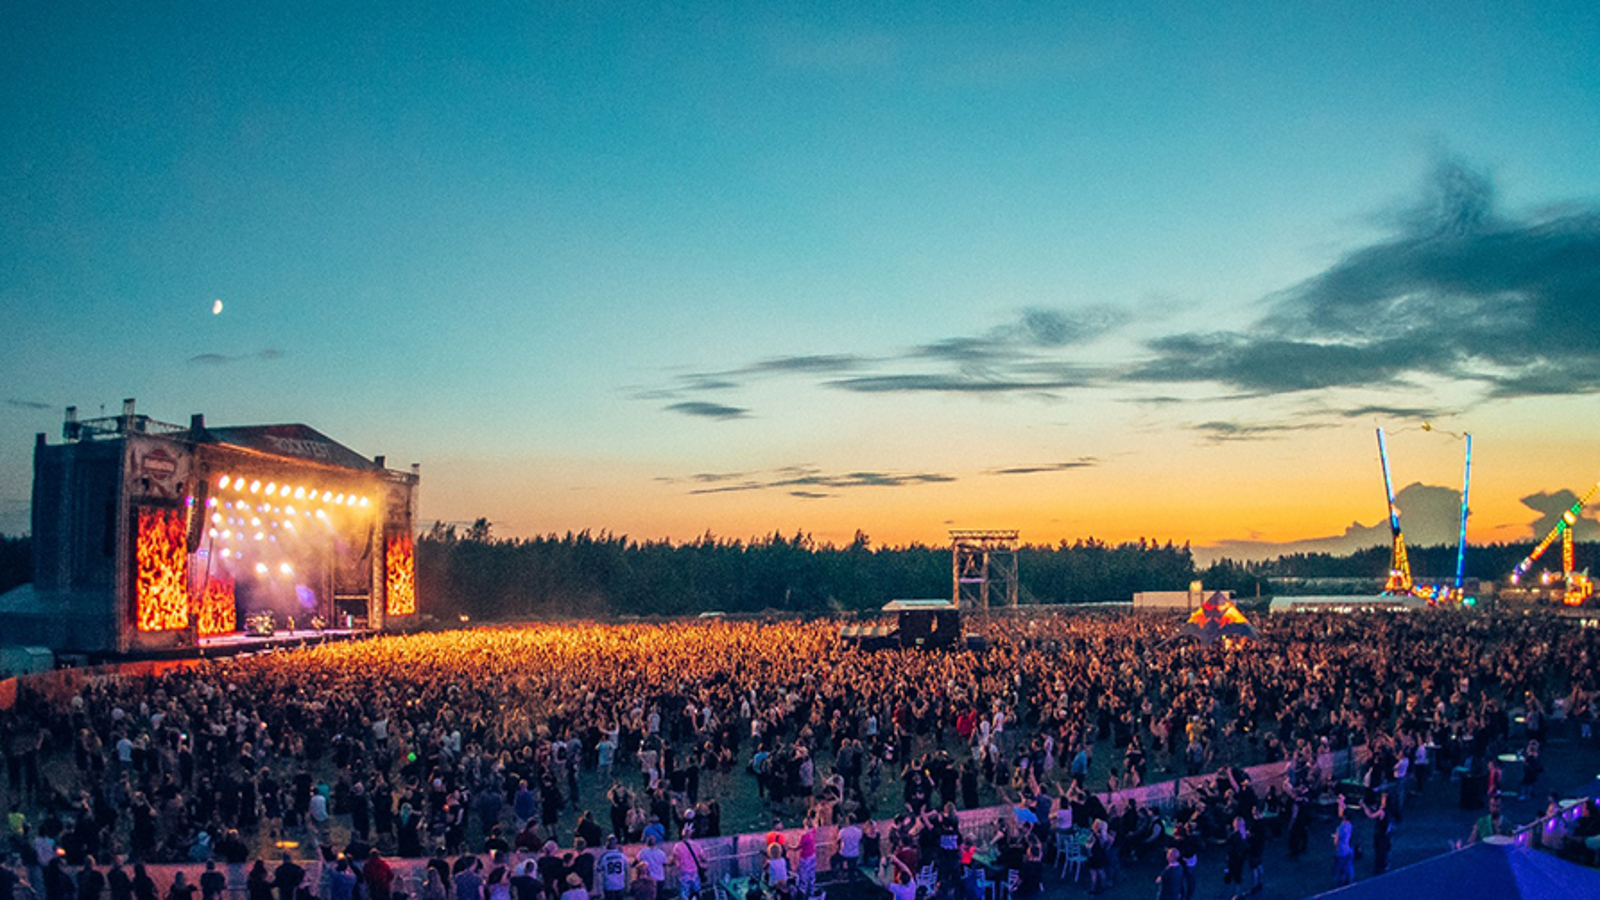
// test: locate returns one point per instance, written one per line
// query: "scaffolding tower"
(979, 558)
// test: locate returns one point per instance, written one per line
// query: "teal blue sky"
(663, 269)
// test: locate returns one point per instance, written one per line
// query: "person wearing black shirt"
(949, 841)
(144, 887)
(588, 830)
(525, 885)
(8, 882)
(212, 883)
(969, 784)
(258, 885)
(1238, 852)
(582, 863)
(181, 888)
(232, 849)
(1187, 840)
(287, 878)
(118, 882)
(552, 870)
(91, 883)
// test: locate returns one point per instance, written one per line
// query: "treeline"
(584, 574)
(470, 572)
(16, 561)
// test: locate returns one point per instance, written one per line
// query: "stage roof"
(293, 441)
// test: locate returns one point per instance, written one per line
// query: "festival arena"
(1068, 756)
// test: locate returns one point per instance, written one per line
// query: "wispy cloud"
(219, 359)
(1457, 294)
(1082, 462)
(806, 482)
(1021, 356)
(1415, 413)
(703, 410)
(1222, 431)
(19, 403)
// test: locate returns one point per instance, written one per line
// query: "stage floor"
(239, 642)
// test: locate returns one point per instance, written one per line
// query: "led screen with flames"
(401, 577)
(161, 594)
(215, 612)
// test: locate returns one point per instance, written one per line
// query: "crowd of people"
(538, 748)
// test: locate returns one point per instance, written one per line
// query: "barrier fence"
(742, 855)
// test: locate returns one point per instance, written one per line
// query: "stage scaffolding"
(979, 559)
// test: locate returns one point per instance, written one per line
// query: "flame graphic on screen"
(216, 613)
(161, 594)
(400, 561)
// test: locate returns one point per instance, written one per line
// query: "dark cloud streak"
(1460, 292)
(804, 481)
(703, 410)
(1082, 462)
(1223, 432)
(219, 359)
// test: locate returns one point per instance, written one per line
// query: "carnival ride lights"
(1579, 585)
(1399, 580)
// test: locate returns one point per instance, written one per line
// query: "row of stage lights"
(273, 489)
(248, 520)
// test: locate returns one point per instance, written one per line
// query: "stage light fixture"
(286, 569)
(363, 502)
(338, 499)
(288, 510)
(222, 483)
(255, 487)
(259, 535)
(212, 532)
(261, 568)
(272, 488)
(226, 553)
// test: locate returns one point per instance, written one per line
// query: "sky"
(1110, 270)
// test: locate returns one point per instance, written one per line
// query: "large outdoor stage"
(153, 539)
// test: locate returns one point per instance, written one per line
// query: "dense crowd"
(551, 743)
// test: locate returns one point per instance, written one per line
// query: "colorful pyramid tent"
(1216, 618)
